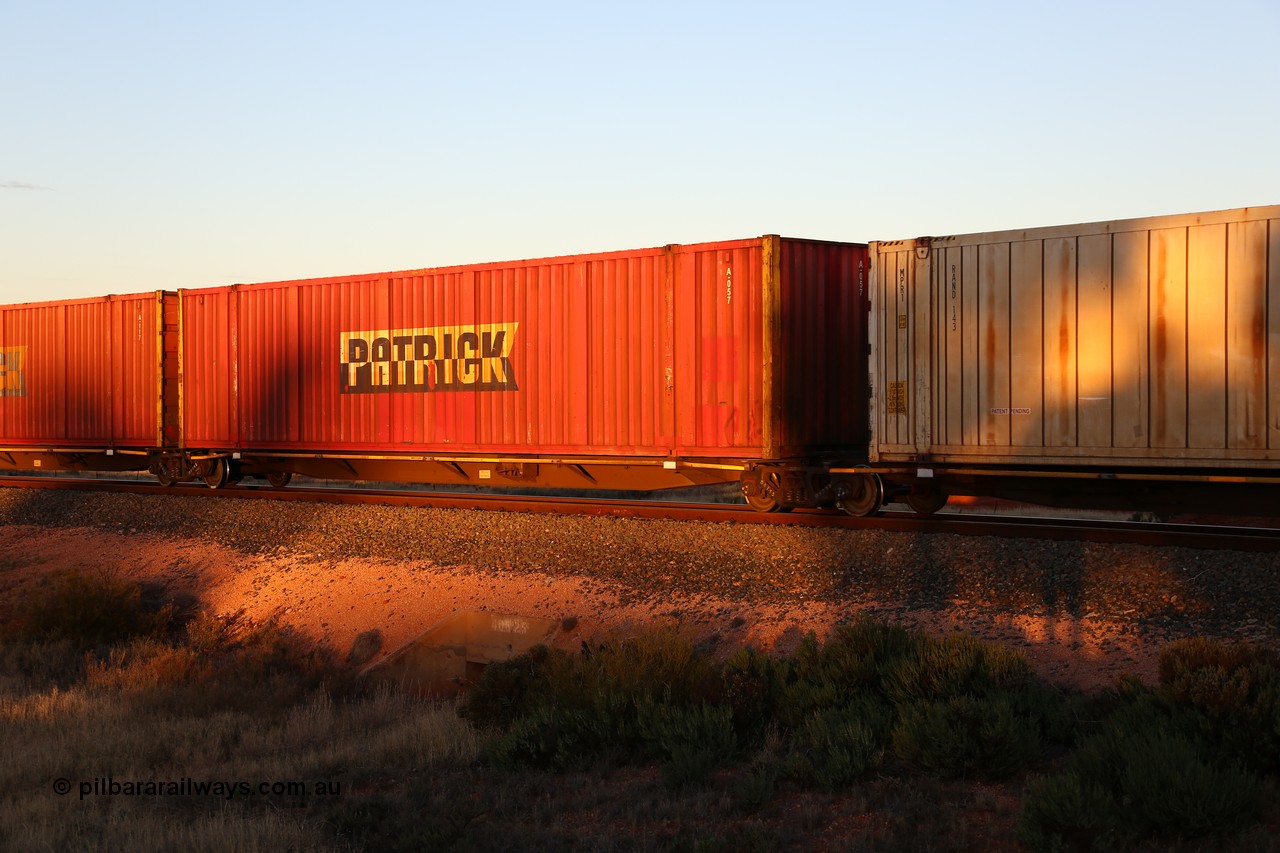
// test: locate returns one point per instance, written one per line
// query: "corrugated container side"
(719, 329)
(1155, 341)
(771, 346)
(650, 352)
(171, 360)
(537, 357)
(136, 326)
(557, 356)
(210, 391)
(81, 373)
(821, 352)
(628, 354)
(267, 372)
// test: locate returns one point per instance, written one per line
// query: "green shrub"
(689, 765)
(750, 684)
(956, 665)
(618, 720)
(208, 634)
(852, 663)
(1172, 787)
(39, 665)
(546, 737)
(648, 696)
(145, 664)
(376, 821)
(86, 609)
(1058, 712)
(667, 729)
(981, 736)
(837, 746)
(508, 690)
(1235, 687)
(268, 666)
(690, 741)
(660, 662)
(756, 786)
(1141, 776)
(1239, 665)
(228, 662)
(1068, 812)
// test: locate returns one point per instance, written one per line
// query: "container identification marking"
(437, 358)
(895, 402)
(954, 313)
(13, 376)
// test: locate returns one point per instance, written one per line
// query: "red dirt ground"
(336, 601)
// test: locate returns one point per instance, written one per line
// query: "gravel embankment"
(1160, 592)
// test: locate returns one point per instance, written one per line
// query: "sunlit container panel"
(890, 328)
(538, 356)
(82, 373)
(1152, 341)
(137, 347)
(628, 350)
(208, 374)
(737, 349)
(720, 348)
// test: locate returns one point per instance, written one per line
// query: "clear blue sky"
(170, 144)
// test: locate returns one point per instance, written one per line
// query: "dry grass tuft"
(852, 744)
(217, 700)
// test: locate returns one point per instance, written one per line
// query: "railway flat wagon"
(82, 382)
(1131, 362)
(645, 369)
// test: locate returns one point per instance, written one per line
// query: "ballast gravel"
(1161, 593)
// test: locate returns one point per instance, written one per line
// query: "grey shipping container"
(1146, 343)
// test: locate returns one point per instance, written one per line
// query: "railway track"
(1204, 536)
(1094, 609)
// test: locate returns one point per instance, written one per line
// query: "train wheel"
(760, 503)
(279, 479)
(926, 500)
(166, 479)
(758, 499)
(215, 476)
(865, 496)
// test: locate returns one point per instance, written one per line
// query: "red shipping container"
(731, 351)
(84, 376)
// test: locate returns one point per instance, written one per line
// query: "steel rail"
(1159, 534)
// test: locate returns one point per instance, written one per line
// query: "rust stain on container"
(1159, 335)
